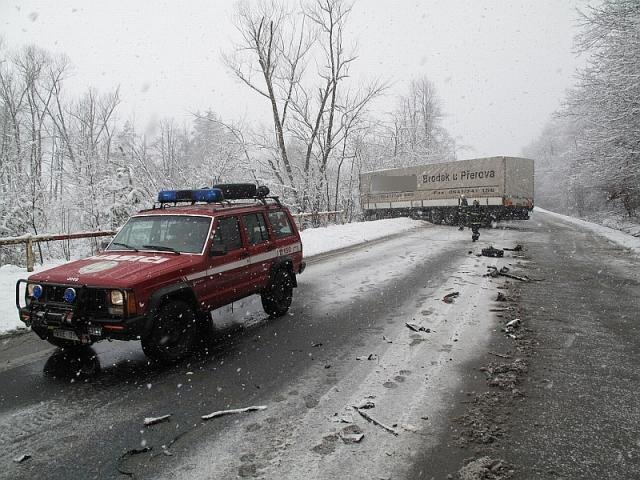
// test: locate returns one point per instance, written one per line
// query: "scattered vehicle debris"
(450, 297)
(153, 420)
(371, 356)
(233, 411)
(515, 323)
(504, 272)
(411, 326)
(517, 248)
(369, 418)
(22, 458)
(351, 437)
(492, 252)
(351, 434)
(416, 328)
(367, 404)
(316, 345)
(344, 418)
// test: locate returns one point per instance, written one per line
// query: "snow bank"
(334, 237)
(616, 236)
(314, 240)
(9, 275)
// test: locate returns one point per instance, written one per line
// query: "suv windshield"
(179, 233)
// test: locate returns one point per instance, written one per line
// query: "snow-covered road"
(308, 368)
(344, 342)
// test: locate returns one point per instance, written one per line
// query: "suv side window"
(280, 224)
(257, 228)
(228, 234)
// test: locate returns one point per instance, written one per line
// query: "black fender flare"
(286, 261)
(181, 289)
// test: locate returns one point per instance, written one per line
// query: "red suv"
(167, 269)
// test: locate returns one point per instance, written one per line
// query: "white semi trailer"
(502, 185)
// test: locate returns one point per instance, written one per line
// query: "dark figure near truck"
(462, 203)
(474, 218)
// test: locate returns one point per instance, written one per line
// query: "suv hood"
(122, 269)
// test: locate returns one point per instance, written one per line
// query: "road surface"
(344, 343)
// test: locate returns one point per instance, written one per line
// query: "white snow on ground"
(9, 275)
(616, 236)
(314, 240)
(333, 237)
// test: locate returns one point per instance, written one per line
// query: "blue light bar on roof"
(207, 195)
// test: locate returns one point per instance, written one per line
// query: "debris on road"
(504, 272)
(517, 248)
(450, 297)
(515, 323)
(22, 458)
(492, 252)
(371, 356)
(501, 297)
(351, 434)
(415, 328)
(369, 418)
(233, 411)
(366, 405)
(411, 326)
(153, 420)
(316, 345)
(344, 418)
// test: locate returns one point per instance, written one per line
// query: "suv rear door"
(259, 248)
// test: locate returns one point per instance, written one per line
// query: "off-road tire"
(173, 334)
(276, 298)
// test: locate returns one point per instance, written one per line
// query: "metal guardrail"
(29, 240)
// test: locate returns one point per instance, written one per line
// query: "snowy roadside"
(621, 238)
(315, 241)
(9, 275)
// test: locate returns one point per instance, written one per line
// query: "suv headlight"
(34, 290)
(116, 297)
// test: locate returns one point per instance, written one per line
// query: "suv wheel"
(276, 298)
(173, 333)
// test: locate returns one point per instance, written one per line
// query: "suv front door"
(228, 261)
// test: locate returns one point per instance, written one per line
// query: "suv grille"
(93, 301)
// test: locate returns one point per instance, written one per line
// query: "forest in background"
(71, 162)
(588, 156)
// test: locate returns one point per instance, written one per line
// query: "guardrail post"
(30, 255)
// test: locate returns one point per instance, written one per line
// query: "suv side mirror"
(103, 245)
(217, 250)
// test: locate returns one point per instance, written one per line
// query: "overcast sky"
(500, 66)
